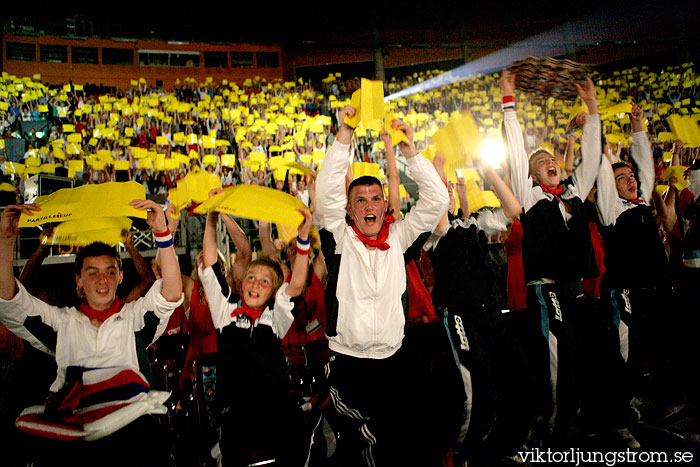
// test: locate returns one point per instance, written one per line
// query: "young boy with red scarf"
(366, 297)
(253, 391)
(102, 337)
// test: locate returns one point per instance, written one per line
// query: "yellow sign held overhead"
(458, 140)
(271, 205)
(86, 202)
(368, 102)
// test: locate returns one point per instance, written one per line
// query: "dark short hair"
(365, 180)
(96, 249)
(623, 164)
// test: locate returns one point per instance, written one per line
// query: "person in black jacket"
(557, 255)
(253, 390)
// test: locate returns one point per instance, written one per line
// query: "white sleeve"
(14, 313)
(591, 152)
(331, 199)
(282, 312)
(433, 202)
(219, 306)
(155, 302)
(521, 182)
(641, 153)
(492, 222)
(607, 200)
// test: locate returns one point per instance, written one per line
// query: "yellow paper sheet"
(271, 205)
(369, 105)
(81, 232)
(360, 169)
(686, 129)
(397, 136)
(677, 171)
(87, 201)
(228, 160)
(458, 141)
(197, 185)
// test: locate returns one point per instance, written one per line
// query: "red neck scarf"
(102, 315)
(380, 241)
(252, 313)
(556, 191)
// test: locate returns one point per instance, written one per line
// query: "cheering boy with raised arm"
(102, 336)
(557, 255)
(366, 295)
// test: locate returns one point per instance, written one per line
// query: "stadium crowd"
(406, 327)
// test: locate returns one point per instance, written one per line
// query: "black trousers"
(568, 352)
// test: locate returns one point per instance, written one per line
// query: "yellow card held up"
(686, 129)
(87, 201)
(611, 111)
(678, 173)
(271, 205)
(15, 168)
(121, 165)
(458, 140)
(369, 105)
(198, 184)
(228, 160)
(210, 159)
(397, 136)
(360, 169)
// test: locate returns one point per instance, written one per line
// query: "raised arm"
(520, 181)
(665, 213)
(608, 201)
(392, 173)
(266, 242)
(244, 252)
(591, 145)
(209, 249)
(641, 153)
(301, 262)
(30, 272)
(9, 231)
(169, 266)
(511, 206)
(433, 201)
(331, 198)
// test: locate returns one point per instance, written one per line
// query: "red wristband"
(303, 252)
(162, 234)
(507, 99)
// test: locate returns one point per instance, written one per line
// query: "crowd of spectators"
(250, 133)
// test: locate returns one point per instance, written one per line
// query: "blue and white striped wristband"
(163, 239)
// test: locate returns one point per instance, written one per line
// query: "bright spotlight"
(493, 152)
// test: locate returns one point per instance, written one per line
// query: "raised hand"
(155, 216)
(10, 218)
(345, 131)
(305, 226)
(507, 83)
(171, 218)
(637, 118)
(407, 149)
(587, 93)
